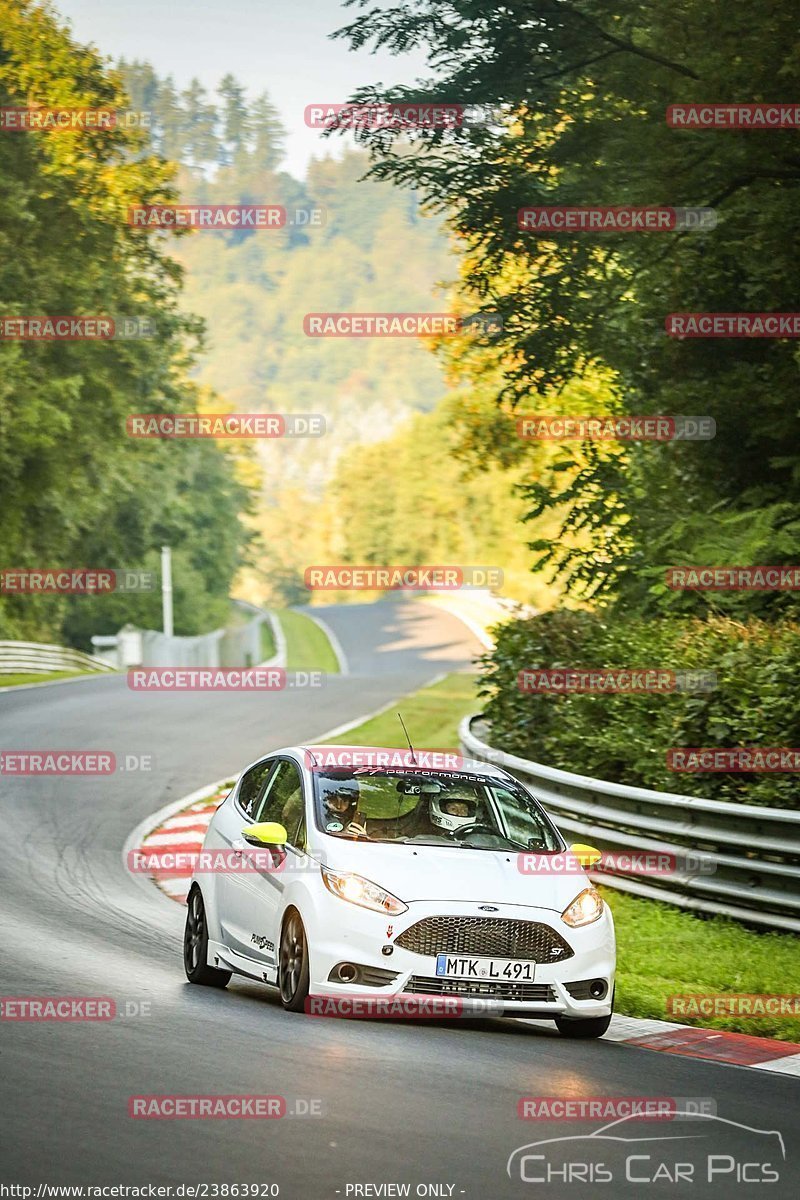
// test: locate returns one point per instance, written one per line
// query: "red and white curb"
(717, 1045)
(181, 828)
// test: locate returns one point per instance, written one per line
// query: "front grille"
(539, 993)
(494, 937)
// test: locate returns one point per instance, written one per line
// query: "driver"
(452, 813)
(340, 806)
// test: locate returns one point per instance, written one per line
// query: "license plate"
(458, 967)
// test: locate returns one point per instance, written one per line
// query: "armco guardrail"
(750, 867)
(35, 658)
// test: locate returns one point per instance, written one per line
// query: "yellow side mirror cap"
(587, 856)
(266, 833)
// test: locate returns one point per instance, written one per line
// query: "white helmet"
(440, 814)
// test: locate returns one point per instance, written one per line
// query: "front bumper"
(361, 937)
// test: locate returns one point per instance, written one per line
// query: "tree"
(75, 490)
(236, 127)
(581, 88)
(201, 145)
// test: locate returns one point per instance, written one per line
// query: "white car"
(383, 881)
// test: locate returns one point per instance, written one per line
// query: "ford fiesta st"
(327, 872)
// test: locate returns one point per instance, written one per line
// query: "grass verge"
(268, 647)
(662, 950)
(308, 647)
(431, 716)
(40, 677)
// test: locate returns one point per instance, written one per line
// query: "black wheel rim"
(195, 930)
(292, 958)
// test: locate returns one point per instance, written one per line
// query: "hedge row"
(625, 737)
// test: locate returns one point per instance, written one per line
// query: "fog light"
(346, 972)
(598, 988)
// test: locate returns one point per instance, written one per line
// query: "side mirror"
(267, 833)
(587, 856)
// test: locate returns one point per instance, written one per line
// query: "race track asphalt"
(418, 1103)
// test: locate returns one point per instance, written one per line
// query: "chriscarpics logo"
(696, 1148)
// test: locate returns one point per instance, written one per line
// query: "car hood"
(419, 873)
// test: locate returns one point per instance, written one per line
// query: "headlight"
(585, 908)
(361, 892)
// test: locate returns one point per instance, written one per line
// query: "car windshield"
(431, 809)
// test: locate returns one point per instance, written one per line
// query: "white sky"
(278, 46)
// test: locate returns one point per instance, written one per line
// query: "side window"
(283, 799)
(253, 784)
(297, 837)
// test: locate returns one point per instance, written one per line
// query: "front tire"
(293, 966)
(195, 946)
(588, 1027)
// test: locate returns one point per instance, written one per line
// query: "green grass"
(307, 646)
(40, 677)
(431, 717)
(662, 950)
(268, 647)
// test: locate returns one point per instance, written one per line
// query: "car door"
(254, 895)
(227, 827)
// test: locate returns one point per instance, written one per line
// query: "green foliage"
(367, 247)
(308, 647)
(268, 647)
(666, 952)
(409, 499)
(42, 677)
(580, 92)
(624, 737)
(74, 489)
(432, 716)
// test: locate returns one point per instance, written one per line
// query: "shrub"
(624, 737)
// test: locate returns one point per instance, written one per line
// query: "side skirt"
(226, 959)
